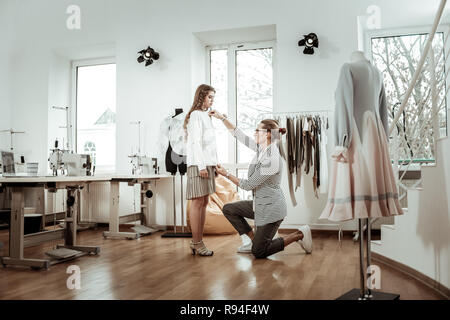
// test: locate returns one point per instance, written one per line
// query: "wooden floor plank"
(164, 268)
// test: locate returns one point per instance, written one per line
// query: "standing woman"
(201, 161)
(268, 207)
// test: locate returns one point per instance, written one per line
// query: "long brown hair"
(275, 133)
(199, 98)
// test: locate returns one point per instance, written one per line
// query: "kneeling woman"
(268, 207)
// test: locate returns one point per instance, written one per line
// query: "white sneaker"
(306, 242)
(246, 248)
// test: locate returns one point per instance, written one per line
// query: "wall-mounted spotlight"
(148, 55)
(310, 42)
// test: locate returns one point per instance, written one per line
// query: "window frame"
(409, 31)
(232, 48)
(75, 64)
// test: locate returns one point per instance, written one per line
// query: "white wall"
(6, 27)
(420, 239)
(433, 223)
(301, 82)
(58, 96)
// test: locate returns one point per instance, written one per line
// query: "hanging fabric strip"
(308, 144)
(323, 157)
(298, 147)
(290, 140)
(315, 139)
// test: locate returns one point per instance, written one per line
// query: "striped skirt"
(197, 186)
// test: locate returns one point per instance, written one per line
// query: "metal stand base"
(144, 230)
(176, 235)
(120, 235)
(35, 264)
(87, 249)
(355, 294)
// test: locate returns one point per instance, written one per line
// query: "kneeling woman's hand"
(216, 114)
(221, 170)
(204, 173)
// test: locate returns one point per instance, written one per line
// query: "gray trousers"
(263, 243)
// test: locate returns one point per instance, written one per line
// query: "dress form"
(357, 56)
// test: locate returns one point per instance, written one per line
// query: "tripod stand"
(365, 291)
(176, 234)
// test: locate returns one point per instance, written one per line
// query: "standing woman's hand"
(204, 174)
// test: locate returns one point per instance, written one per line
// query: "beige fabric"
(215, 221)
(362, 183)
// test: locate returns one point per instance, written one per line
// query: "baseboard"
(350, 233)
(440, 288)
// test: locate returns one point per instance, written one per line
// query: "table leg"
(16, 235)
(72, 223)
(114, 216)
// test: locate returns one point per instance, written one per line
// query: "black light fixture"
(309, 42)
(148, 55)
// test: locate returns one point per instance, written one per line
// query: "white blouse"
(201, 141)
(172, 131)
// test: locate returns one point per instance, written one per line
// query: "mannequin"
(358, 56)
(362, 184)
(175, 159)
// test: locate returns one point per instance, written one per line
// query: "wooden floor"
(163, 268)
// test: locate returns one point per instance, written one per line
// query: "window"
(396, 55)
(243, 78)
(96, 112)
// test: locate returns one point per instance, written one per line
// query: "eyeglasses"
(263, 130)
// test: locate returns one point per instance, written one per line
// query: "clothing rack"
(293, 113)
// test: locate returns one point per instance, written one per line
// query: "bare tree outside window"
(219, 80)
(397, 58)
(254, 87)
(253, 82)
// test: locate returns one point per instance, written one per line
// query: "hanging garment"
(308, 143)
(323, 157)
(290, 161)
(298, 148)
(302, 145)
(362, 183)
(315, 142)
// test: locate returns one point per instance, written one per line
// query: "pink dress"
(361, 183)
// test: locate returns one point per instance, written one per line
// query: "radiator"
(95, 201)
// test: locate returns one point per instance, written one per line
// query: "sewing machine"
(70, 164)
(55, 160)
(143, 165)
(77, 165)
(56, 163)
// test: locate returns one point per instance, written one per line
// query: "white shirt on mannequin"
(172, 131)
